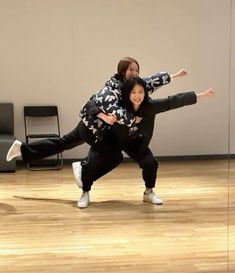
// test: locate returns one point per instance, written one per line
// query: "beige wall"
(232, 85)
(61, 51)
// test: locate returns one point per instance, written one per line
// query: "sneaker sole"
(83, 207)
(159, 204)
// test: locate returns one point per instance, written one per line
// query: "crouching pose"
(133, 140)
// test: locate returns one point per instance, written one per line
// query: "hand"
(181, 73)
(107, 118)
(138, 119)
(207, 93)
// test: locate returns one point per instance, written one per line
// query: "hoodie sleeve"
(155, 81)
(108, 102)
(91, 108)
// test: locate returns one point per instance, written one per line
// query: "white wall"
(61, 51)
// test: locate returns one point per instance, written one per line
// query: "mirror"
(61, 51)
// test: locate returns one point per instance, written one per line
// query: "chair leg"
(57, 166)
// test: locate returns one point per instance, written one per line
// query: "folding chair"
(42, 122)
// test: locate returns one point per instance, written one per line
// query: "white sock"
(148, 190)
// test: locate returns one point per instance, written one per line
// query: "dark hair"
(126, 89)
(123, 66)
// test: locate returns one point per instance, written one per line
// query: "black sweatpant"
(47, 147)
(97, 164)
(78, 136)
(100, 163)
(145, 159)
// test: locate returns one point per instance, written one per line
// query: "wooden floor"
(42, 230)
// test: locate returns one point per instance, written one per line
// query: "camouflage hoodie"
(108, 99)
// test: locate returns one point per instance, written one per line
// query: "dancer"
(96, 119)
(135, 100)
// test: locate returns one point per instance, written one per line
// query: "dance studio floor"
(42, 230)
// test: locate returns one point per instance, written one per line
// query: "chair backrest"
(7, 118)
(41, 112)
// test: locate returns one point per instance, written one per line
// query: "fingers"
(112, 120)
(210, 91)
(183, 72)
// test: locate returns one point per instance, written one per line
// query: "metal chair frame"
(43, 112)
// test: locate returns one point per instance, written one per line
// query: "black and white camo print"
(107, 100)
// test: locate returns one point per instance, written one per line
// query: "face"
(132, 71)
(137, 96)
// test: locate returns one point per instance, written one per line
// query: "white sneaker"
(77, 172)
(84, 201)
(14, 150)
(151, 197)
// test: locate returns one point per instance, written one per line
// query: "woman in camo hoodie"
(104, 108)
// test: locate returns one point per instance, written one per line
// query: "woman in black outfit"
(133, 140)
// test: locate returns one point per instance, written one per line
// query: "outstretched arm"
(157, 80)
(207, 93)
(154, 107)
(181, 73)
